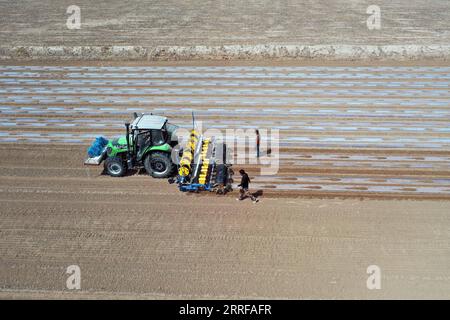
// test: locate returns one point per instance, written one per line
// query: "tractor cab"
(148, 131)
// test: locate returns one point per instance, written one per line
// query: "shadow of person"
(266, 153)
(258, 193)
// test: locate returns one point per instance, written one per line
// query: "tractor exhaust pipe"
(127, 136)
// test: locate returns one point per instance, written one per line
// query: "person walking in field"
(258, 141)
(244, 187)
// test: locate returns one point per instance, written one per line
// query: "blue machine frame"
(195, 187)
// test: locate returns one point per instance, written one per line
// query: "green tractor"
(147, 143)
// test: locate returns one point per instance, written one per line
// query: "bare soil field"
(220, 23)
(138, 237)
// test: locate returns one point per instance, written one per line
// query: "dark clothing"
(257, 145)
(245, 180)
(244, 192)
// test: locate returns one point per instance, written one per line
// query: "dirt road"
(322, 220)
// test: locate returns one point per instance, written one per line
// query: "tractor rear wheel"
(159, 165)
(115, 167)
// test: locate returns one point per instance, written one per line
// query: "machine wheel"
(115, 167)
(159, 165)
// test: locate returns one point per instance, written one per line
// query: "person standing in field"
(244, 187)
(258, 141)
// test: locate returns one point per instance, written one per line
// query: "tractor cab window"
(143, 138)
(158, 137)
(165, 134)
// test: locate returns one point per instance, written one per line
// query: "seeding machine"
(204, 165)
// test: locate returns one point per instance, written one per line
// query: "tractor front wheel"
(115, 167)
(159, 165)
